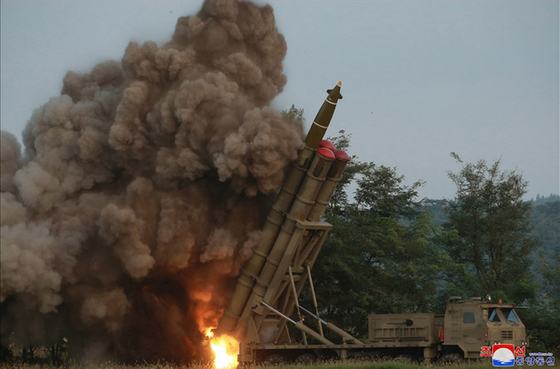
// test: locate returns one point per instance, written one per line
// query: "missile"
(323, 118)
(269, 233)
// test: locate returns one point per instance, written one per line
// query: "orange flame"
(225, 350)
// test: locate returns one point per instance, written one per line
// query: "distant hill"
(539, 200)
(545, 219)
(437, 209)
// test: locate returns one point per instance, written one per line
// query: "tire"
(306, 359)
(275, 359)
(364, 355)
(405, 359)
(451, 358)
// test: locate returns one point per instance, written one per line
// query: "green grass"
(378, 364)
(387, 365)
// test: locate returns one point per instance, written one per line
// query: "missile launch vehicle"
(265, 300)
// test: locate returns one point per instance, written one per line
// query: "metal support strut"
(302, 327)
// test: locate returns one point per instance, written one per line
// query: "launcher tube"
(254, 266)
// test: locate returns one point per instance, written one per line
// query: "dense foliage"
(380, 256)
(388, 254)
(491, 232)
(545, 219)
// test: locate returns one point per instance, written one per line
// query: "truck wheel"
(363, 355)
(451, 357)
(275, 359)
(405, 359)
(306, 359)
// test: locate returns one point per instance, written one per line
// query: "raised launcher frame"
(276, 294)
(267, 290)
(288, 282)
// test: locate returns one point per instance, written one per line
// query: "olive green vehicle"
(264, 313)
(461, 332)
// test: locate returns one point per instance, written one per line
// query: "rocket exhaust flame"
(225, 350)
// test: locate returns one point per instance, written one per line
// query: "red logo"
(486, 351)
(520, 351)
(503, 355)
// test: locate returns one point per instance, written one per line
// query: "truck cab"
(474, 323)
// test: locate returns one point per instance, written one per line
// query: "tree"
(550, 318)
(339, 203)
(542, 319)
(294, 114)
(545, 219)
(490, 232)
(379, 257)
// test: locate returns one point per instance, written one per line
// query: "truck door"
(464, 327)
(472, 330)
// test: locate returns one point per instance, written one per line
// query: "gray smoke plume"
(142, 190)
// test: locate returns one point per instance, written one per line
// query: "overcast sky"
(419, 79)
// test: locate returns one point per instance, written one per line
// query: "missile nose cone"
(334, 94)
(323, 118)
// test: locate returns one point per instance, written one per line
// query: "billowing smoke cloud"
(142, 190)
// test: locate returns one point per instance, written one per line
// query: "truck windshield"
(510, 315)
(493, 315)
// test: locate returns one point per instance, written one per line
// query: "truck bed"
(404, 330)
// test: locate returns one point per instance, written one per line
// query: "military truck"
(461, 332)
(265, 300)
(465, 328)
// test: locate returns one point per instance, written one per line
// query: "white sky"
(419, 79)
